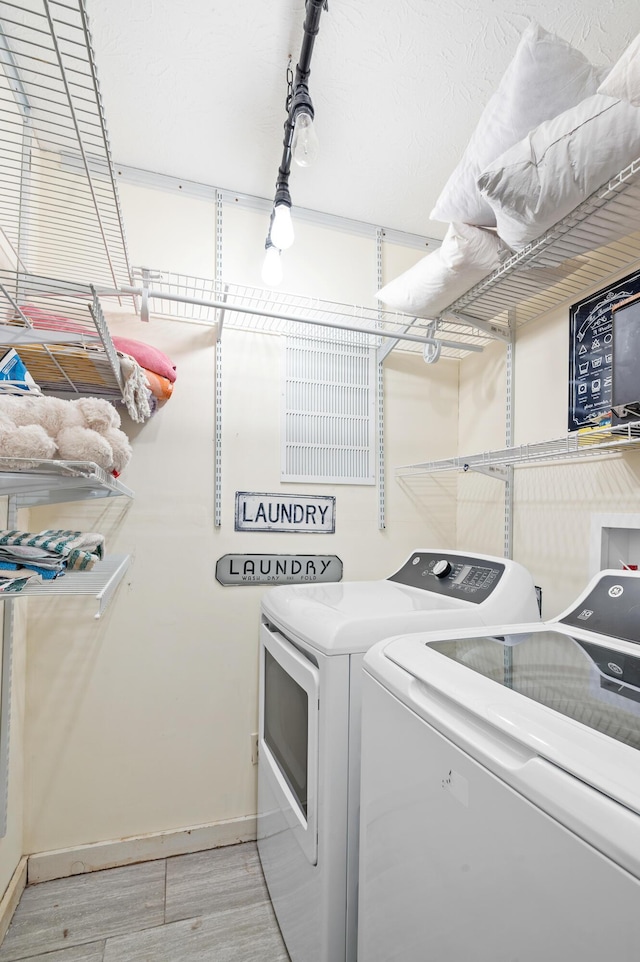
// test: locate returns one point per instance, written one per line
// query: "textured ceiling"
(197, 90)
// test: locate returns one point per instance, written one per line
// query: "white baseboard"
(144, 848)
(11, 897)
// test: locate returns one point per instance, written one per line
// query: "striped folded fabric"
(8, 570)
(12, 585)
(14, 578)
(54, 550)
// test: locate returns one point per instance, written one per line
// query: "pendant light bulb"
(282, 227)
(272, 267)
(305, 144)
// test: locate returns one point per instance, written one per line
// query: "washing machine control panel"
(459, 576)
(612, 607)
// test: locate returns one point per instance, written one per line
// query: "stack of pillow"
(159, 370)
(556, 129)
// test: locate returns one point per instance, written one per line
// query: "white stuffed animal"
(86, 429)
(25, 441)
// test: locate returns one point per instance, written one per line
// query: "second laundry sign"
(256, 511)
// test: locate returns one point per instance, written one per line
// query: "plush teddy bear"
(87, 429)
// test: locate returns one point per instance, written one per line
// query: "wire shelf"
(241, 307)
(59, 208)
(32, 482)
(61, 335)
(598, 241)
(100, 583)
(589, 442)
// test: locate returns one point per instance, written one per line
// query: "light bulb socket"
(301, 102)
(282, 197)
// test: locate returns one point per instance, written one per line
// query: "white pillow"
(624, 80)
(540, 180)
(466, 256)
(546, 76)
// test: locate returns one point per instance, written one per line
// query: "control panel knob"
(441, 569)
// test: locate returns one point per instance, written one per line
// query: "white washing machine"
(500, 807)
(312, 642)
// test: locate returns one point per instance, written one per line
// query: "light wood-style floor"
(208, 907)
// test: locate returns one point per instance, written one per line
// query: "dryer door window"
(289, 725)
(286, 723)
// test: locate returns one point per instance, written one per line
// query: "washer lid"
(572, 697)
(591, 683)
(351, 616)
(433, 589)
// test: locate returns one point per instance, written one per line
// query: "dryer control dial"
(441, 569)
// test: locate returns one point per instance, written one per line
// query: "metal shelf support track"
(5, 710)
(217, 517)
(6, 687)
(509, 390)
(380, 395)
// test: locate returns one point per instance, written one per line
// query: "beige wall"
(554, 504)
(141, 722)
(482, 401)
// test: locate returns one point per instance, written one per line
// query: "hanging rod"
(292, 318)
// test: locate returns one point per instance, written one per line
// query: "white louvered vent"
(328, 410)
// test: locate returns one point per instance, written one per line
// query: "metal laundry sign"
(277, 569)
(311, 514)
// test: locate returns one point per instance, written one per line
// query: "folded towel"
(27, 570)
(16, 580)
(136, 391)
(52, 549)
(160, 387)
(11, 585)
(24, 555)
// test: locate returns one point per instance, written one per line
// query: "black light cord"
(297, 100)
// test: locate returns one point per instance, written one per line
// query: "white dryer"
(500, 807)
(312, 642)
